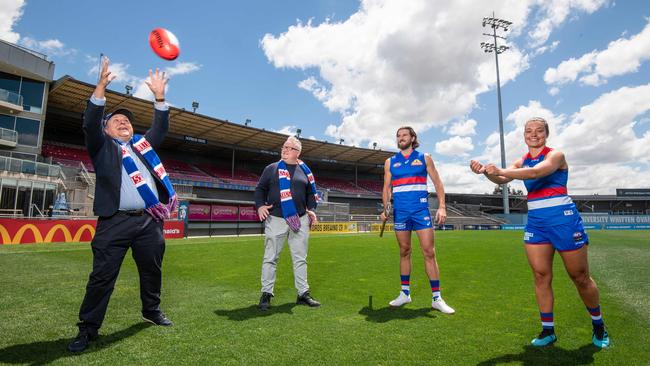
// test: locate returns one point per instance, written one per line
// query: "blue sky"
(358, 70)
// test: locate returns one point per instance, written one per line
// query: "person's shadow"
(383, 315)
(41, 353)
(550, 355)
(252, 311)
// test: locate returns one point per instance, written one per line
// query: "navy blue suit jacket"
(107, 158)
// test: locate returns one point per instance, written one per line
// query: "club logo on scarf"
(283, 173)
(288, 206)
(160, 170)
(143, 146)
(136, 177)
(285, 195)
(153, 206)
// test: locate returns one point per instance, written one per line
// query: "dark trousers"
(114, 235)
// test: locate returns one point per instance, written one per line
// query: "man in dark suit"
(127, 215)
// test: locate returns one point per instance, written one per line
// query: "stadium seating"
(241, 177)
(71, 155)
(341, 185)
(181, 170)
(371, 185)
(68, 155)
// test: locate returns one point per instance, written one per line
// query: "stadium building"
(214, 164)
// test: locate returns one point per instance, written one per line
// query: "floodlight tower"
(495, 24)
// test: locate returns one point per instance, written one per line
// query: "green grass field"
(211, 288)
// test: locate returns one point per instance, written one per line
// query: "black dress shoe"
(81, 341)
(265, 301)
(306, 299)
(158, 319)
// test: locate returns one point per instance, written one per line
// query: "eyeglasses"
(289, 148)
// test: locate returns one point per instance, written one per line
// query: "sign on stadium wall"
(25, 231)
(636, 192)
(207, 212)
(588, 218)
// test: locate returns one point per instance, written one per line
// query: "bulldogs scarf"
(153, 206)
(286, 201)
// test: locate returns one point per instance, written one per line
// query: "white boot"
(400, 300)
(442, 306)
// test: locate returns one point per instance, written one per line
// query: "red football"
(164, 43)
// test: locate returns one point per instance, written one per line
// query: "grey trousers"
(277, 231)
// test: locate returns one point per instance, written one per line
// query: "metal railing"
(8, 135)
(29, 167)
(11, 97)
(33, 207)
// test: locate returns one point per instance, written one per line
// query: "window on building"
(32, 92)
(10, 82)
(7, 121)
(27, 131)
(23, 156)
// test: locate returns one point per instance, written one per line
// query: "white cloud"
(181, 68)
(602, 148)
(118, 69)
(141, 90)
(391, 63)
(553, 13)
(455, 146)
(621, 56)
(601, 134)
(10, 13)
(383, 66)
(458, 178)
(287, 130)
(50, 47)
(547, 48)
(568, 70)
(463, 128)
(554, 91)
(313, 86)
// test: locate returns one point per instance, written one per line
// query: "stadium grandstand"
(214, 164)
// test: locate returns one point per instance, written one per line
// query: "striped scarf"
(286, 201)
(153, 206)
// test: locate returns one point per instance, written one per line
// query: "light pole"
(496, 23)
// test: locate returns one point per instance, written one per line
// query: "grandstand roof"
(194, 131)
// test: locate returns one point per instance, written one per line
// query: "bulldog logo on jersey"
(416, 162)
(577, 236)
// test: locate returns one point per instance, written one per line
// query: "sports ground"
(211, 288)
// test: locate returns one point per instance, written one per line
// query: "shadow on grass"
(41, 353)
(383, 315)
(550, 355)
(252, 311)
